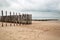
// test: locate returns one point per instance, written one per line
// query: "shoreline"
(45, 19)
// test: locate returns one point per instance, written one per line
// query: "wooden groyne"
(18, 19)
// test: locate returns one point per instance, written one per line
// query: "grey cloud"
(29, 5)
(4, 3)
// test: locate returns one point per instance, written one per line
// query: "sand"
(38, 30)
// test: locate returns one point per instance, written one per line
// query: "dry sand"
(38, 30)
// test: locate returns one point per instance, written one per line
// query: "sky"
(38, 8)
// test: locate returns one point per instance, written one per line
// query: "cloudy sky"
(38, 8)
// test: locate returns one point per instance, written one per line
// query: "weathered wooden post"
(10, 19)
(24, 18)
(20, 19)
(14, 18)
(2, 17)
(29, 19)
(6, 18)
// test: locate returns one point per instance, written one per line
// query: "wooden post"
(14, 18)
(2, 17)
(6, 18)
(19, 19)
(27, 19)
(10, 19)
(24, 18)
(31, 18)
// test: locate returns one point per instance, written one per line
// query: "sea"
(45, 15)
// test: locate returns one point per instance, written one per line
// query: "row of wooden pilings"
(15, 19)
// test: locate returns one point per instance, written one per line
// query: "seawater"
(45, 15)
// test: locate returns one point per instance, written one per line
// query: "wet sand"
(38, 30)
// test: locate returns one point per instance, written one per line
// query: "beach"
(38, 30)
